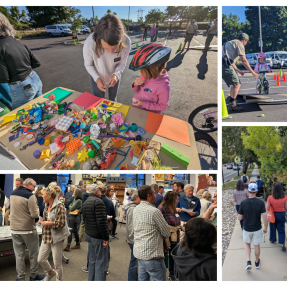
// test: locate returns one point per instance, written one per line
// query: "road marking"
(198, 43)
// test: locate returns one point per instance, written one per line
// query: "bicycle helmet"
(261, 55)
(150, 54)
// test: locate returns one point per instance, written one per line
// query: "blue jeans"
(112, 91)
(1, 219)
(20, 96)
(170, 259)
(4, 95)
(133, 268)
(154, 269)
(241, 221)
(280, 226)
(98, 256)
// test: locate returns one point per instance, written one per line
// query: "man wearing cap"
(231, 52)
(190, 31)
(251, 210)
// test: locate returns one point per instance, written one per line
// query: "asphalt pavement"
(267, 108)
(228, 174)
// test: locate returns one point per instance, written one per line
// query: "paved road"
(273, 111)
(229, 174)
(193, 73)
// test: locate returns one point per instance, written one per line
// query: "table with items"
(68, 130)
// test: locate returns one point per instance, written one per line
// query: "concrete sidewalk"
(254, 174)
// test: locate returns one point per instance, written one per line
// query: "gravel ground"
(229, 217)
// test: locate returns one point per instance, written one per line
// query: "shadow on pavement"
(202, 67)
(176, 61)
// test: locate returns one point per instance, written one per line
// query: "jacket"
(129, 222)
(190, 268)
(58, 234)
(154, 93)
(95, 217)
(23, 209)
(109, 206)
(152, 31)
(158, 199)
(183, 203)
(68, 198)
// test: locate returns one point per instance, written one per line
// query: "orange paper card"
(168, 127)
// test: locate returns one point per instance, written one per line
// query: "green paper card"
(60, 94)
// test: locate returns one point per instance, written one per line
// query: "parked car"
(253, 59)
(278, 58)
(58, 30)
(236, 167)
(85, 29)
(229, 166)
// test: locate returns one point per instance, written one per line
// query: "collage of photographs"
(118, 131)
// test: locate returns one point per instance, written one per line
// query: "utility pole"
(129, 19)
(260, 30)
(236, 150)
(93, 15)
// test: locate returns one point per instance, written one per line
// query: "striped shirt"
(240, 195)
(150, 229)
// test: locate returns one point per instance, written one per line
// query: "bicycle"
(204, 118)
(264, 84)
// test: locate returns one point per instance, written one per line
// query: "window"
(62, 181)
(276, 57)
(137, 179)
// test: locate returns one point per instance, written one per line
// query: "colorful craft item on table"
(16, 144)
(135, 161)
(82, 125)
(94, 130)
(140, 131)
(45, 153)
(138, 148)
(94, 116)
(37, 154)
(51, 97)
(8, 119)
(65, 139)
(47, 142)
(106, 102)
(133, 128)
(64, 123)
(41, 141)
(60, 94)
(96, 145)
(181, 158)
(83, 155)
(87, 100)
(53, 123)
(168, 127)
(91, 153)
(86, 139)
(113, 127)
(73, 145)
(29, 136)
(54, 148)
(118, 143)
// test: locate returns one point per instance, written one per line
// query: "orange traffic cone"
(278, 78)
(284, 77)
(278, 83)
(142, 38)
(275, 76)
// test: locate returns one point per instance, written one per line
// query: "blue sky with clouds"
(237, 10)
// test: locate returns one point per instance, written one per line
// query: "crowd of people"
(251, 209)
(164, 230)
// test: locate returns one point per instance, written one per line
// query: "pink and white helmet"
(261, 55)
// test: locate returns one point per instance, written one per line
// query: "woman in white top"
(105, 55)
(206, 198)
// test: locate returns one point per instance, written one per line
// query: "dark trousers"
(73, 223)
(115, 223)
(241, 221)
(208, 41)
(144, 36)
(280, 226)
(112, 91)
(170, 259)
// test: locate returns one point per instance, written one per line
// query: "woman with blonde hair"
(60, 194)
(204, 201)
(55, 231)
(17, 64)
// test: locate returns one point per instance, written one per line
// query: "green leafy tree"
(12, 21)
(115, 13)
(41, 16)
(17, 15)
(109, 11)
(155, 15)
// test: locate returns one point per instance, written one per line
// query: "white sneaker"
(48, 277)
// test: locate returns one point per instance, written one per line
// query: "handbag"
(270, 215)
(75, 212)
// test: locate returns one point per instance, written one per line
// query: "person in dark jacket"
(190, 202)
(40, 200)
(158, 197)
(16, 66)
(97, 234)
(69, 198)
(195, 258)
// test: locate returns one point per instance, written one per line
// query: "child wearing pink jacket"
(152, 93)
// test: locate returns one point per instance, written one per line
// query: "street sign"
(237, 160)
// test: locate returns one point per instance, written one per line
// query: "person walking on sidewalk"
(278, 201)
(239, 194)
(251, 210)
(231, 52)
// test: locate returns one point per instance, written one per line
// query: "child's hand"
(138, 82)
(137, 103)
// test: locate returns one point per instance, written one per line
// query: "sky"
(237, 10)
(122, 11)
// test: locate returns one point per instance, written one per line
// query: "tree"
(115, 13)
(6, 11)
(109, 11)
(15, 13)
(140, 21)
(154, 15)
(41, 16)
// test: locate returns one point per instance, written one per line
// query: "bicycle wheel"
(204, 118)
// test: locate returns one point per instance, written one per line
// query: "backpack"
(68, 198)
(244, 178)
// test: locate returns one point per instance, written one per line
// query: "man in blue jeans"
(97, 234)
(133, 268)
(150, 231)
(16, 67)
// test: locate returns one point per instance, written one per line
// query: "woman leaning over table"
(55, 231)
(105, 55)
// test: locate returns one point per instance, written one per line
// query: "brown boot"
(77, 246)
(67, 248)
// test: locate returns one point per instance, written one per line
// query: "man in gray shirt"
(190, 31)
(234, 50)
(211, 32)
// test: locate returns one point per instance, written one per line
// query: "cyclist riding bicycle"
(261, 68)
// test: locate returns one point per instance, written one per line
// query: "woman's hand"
(101, 85)
(137, 103)
(191, 213)
(138, 82)
(113, 80)
(178, 209)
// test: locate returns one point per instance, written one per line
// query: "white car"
(85, 29)
(58, 30)
(278, 58)
(253, 59)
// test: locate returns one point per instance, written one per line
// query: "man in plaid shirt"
(150, 230)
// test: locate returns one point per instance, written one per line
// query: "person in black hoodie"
(195, 258)
(97, 234)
